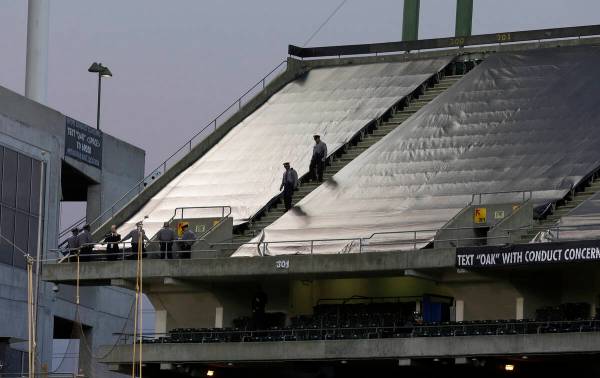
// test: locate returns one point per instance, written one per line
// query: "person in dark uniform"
(84, 241)
(112, 240)
(72, 243)
(165, 236)
(259, 303)
(134, 235)
(289, 183)
(319, 157)
(187, 240)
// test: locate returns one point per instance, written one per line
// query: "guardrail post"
(360, 245)
(311, 246)
(415, 240)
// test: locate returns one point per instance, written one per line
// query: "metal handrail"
(223, 207)
(481, 194)
(311, 243)
(215, 225)
(143, 184)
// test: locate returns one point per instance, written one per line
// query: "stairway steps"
(352, 153)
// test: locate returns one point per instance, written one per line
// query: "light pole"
(102, 72)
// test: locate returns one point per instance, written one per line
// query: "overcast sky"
(178, 63)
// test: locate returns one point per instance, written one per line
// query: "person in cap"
(112, 240)
(134, 235)
(289, 183)
(85, 244)
(187, 240)
(165, 236)
(319, 157)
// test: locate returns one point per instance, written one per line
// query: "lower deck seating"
(446, 329)
(382, 320)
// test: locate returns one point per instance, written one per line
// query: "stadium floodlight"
(102, 71)
(105, 72)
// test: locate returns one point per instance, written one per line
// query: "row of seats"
(386, 314)
(446, 329)
(565, 311)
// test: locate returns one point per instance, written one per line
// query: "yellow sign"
(480, 215)
(180, 228)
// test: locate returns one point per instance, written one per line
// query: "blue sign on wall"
(83, 143)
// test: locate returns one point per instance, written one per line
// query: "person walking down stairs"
(317, 162)
(289, 183)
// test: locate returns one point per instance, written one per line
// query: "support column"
(160, 321)
(520, 304)
(459, 310)
(36, 75)
(410, 20)
(464, 18)
(219, 317)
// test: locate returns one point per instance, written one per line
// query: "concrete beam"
(422, 347)
(251, 268)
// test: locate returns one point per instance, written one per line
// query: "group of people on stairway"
(289, 183)
(82, 244)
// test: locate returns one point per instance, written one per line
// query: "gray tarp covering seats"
(244, 169)
(520, 121)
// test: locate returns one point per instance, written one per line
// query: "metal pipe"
(99, 96)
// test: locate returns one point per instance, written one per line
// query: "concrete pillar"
(520, 305)
(219, 317)
(459, 310)
(464, 18)
(410, 20)
(36, 75)
(160, 321)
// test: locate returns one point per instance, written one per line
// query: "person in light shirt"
(289, 183)
(319, 157)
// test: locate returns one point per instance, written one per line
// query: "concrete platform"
(248, 268)
(422, 347)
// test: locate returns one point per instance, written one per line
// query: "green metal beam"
(410, 20)
(464, 18)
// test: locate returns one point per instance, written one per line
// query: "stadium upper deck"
(519, 121)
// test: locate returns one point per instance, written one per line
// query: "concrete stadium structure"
(488, 294)
(37, 175)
